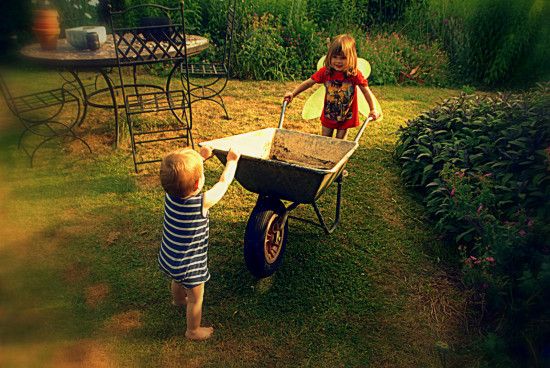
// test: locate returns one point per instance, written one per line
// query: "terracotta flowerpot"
(46, 28)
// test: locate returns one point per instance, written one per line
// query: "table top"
(67, 56)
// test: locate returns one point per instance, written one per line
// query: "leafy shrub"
(298, 31)
(262, 55)
(393, 56)
(304, 45)
(482, 164)
(73, 13)
(494, 42)
(337, 16)
(295, 37)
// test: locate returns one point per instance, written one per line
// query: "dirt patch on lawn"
(95, 294)
(84, 353)
(75, 273)
(124, 322)
(63, 354)
(433, 313)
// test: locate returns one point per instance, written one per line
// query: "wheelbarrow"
(283, 165)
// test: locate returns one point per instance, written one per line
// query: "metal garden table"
(67, 58)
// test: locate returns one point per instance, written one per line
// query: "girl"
(340, 76)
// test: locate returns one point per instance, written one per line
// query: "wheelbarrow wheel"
(265, 238)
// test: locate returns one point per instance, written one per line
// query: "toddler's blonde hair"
(180, 171)
(343, 44)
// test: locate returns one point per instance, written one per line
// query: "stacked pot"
(46, 28)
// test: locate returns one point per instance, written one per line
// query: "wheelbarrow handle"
(363, 127)
(282, 118)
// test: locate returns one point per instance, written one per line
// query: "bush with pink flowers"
(482, 164)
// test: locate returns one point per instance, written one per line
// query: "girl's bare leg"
(194, 315)
(179, 295)
(341, 133)
(327, 132)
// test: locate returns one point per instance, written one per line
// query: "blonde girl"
(340, 77)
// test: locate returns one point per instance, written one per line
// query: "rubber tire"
(255, 234)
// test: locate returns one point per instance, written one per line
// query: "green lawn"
(79, 284)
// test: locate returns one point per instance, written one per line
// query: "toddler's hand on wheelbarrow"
(206, 152)
(233, 155)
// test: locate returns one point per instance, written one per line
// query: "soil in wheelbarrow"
(308, 151)
(305, 151)
(283, 154)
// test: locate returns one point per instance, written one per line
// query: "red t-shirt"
(340, 109)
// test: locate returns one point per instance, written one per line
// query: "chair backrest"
(230, 29)
(7, 95)
(148, 33)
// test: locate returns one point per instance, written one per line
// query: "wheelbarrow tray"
(285, 164)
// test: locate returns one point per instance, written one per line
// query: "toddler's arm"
(370, 100)
(301, 88)
(213, 196)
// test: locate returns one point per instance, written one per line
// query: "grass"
(80, 284)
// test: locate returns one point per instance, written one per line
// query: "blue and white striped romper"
(183, 251)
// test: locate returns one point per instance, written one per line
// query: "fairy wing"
(314, 104)
(321, 62)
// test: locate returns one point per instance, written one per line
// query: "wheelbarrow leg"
(329, 230)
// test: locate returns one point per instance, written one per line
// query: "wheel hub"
(274, 239)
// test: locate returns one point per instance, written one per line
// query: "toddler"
(184, 247)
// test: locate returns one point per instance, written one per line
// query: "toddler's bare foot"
(201, 333)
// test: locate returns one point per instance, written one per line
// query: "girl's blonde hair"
(343, 45)
(180, 171)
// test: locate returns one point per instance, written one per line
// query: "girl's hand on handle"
(206, 152)
(233, 155)
(374, 114)
(288, 97)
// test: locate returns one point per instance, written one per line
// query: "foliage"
(289, 36)
(287, 43)
(335, 16)
(490, 42)
(482, 164)
(393, 57)
(302, 27)
(284, 39)
(304, 45)
(75, 13)
(262, 55)
(15, 28)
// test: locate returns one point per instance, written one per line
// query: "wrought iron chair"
(144, 45)
(44, 116)
(216, 74)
